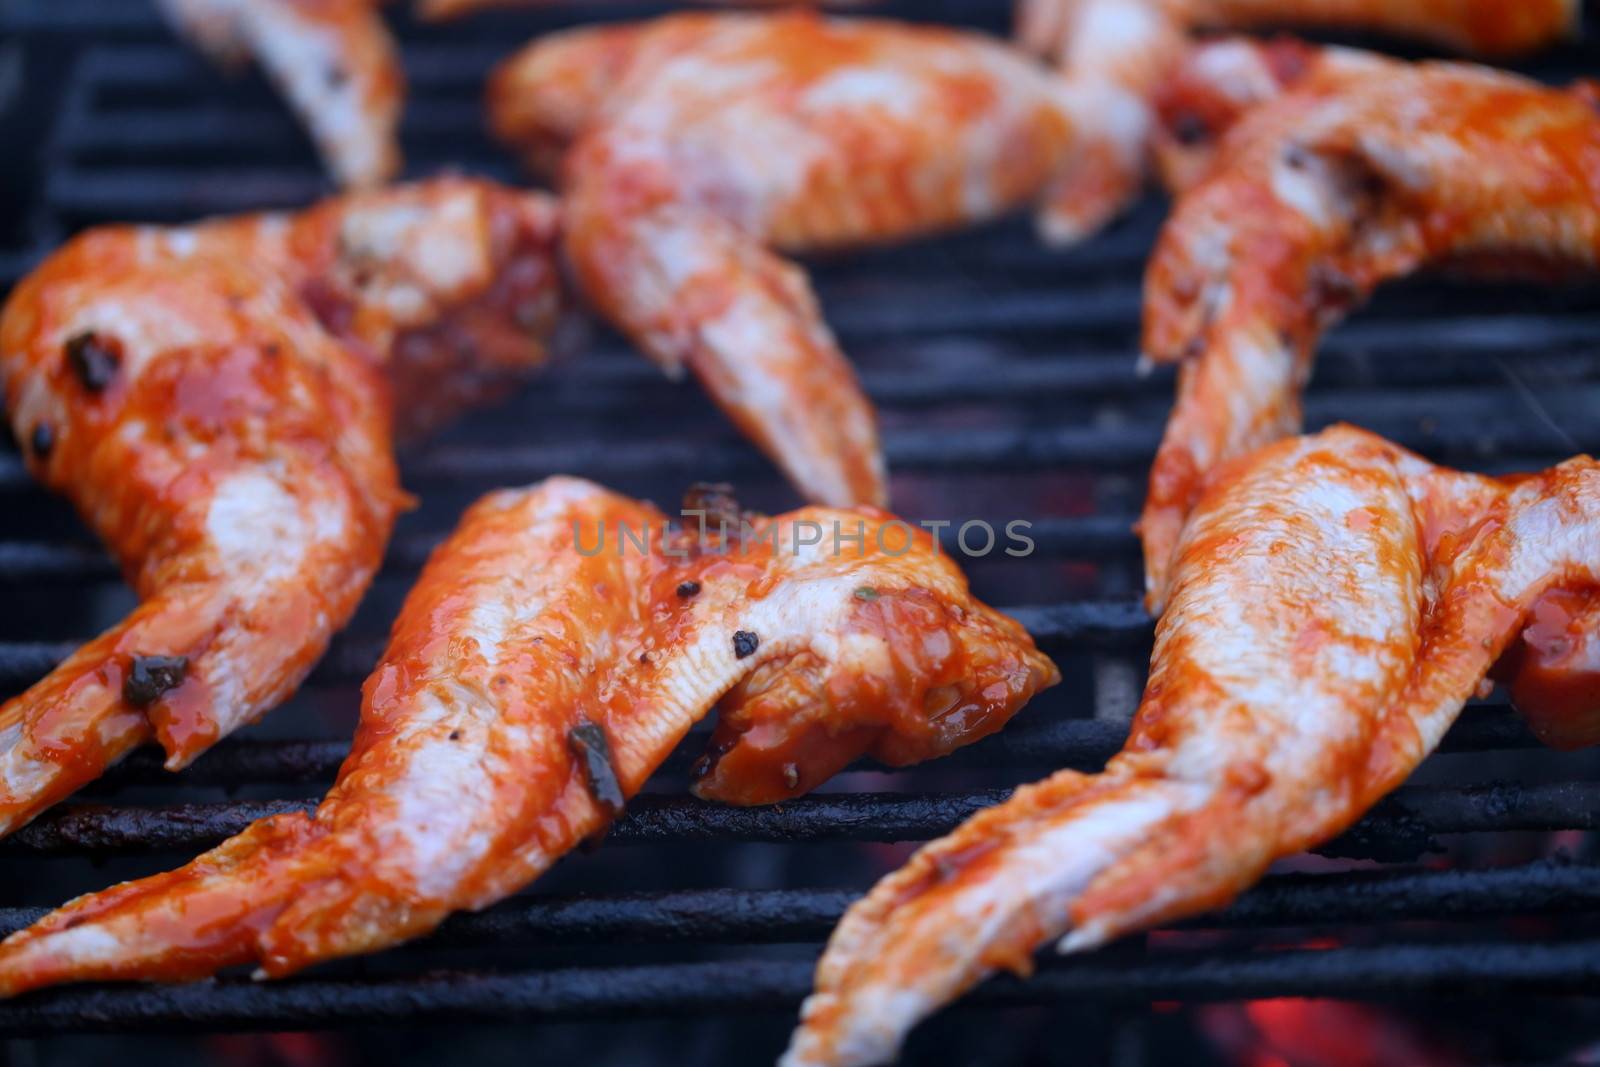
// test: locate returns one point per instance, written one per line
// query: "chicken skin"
(555, 650)
(692, 146)
(1335, 601)
(216, 402)
(333, 59)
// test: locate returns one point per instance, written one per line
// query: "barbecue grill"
(1467, 902)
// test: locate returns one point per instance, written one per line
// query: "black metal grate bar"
(1029, 741)
(720, 916)
(1403, 826)
(1397, 969)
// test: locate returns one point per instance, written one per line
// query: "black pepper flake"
(93, 359)
(744, 643)
(688, 589)
(588, 743)
(455, 735)
(1296, 157)
(1190, 129)
(43, 440)
(151, 676)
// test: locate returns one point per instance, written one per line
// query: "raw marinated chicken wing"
(1335, 601)
(555, 650)
(333, 59)
(691, 146)
(1478, 27)
(1119, 55)
(215, 400)
(449, 9)
(1367, 170)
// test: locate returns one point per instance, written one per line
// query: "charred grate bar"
(1399, 969)
(994, 359)
(1555, 886)
(743, 916)
(1403, 826)
(1027, 742)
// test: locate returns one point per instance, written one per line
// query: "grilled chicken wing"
(449, 9)
(1478, 27)
(214, 401)
(1367, 170)
(694, 144)
(1114, 55)
(1119, 55)
(333, 59)
(545, 664)
(1335, 601)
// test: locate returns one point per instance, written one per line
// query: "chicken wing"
(1474, 27)
(1117, 56)
(1335, 601)
(333, 59)
(215, 400)
(692, 144)
(1313, 200)
(555, 650)
(450, 9)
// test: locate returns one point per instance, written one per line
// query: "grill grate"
(1005, 375)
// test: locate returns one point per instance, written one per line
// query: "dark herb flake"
(151, 676)
(93, 359)
(589, 744)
